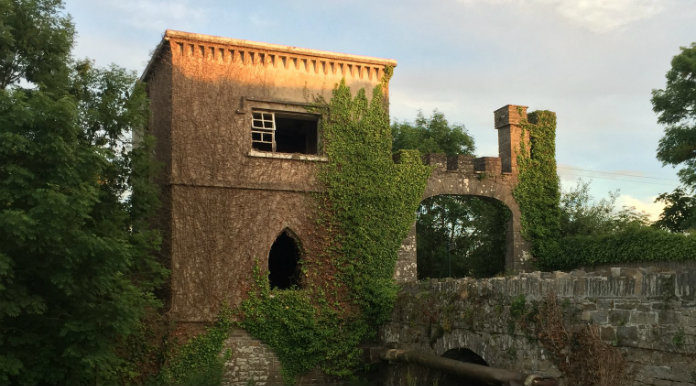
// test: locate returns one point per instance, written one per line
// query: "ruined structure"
(241, 149)
(492, 177)
(240, 154)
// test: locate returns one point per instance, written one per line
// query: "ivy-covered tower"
(240, 149)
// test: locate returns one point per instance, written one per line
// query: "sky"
(593, 62)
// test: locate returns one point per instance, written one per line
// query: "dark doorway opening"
(284, 262)
(459, 236)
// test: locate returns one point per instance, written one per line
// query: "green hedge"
(633, 245)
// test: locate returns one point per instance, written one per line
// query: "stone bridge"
(647, 314)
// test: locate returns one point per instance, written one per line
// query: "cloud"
(651, 208)
(598, 16)
(603, 16)
(157, 15)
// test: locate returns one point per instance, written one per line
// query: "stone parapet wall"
(648, 314)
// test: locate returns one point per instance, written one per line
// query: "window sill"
(291, 156)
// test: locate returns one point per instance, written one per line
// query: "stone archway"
(494, 177)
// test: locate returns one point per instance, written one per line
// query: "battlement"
(464, 164)
(507, 121)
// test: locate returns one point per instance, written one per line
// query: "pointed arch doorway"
(284, 261)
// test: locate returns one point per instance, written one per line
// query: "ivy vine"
(366, 210)
(199, 360)
(538, 189)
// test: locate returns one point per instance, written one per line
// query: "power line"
(618, 179)
(616, 173)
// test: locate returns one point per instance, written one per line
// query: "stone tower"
(240, 150)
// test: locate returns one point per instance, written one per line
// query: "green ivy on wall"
(199, 361)
(367, 208)
(538, 189)
(538, 196)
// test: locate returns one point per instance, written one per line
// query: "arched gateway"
(494, 177)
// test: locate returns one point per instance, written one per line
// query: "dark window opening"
(284, 262)
(284, 132)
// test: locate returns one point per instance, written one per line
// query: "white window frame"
(263, 127)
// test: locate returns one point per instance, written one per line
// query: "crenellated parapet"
(511, 138)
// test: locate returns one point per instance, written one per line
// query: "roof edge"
(174, 34)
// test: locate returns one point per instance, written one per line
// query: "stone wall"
(252, 362)
(648, 314)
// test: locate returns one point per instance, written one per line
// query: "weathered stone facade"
(224, 201)
(648, 313)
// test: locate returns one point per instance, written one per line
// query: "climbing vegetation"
(367, 208)
(570, 233)
(199, 361)
(538, 191)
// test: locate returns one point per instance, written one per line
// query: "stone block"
(608, 334)
(509, 115)
(599, 317)
(666, 316)
(626, 334)
(438, 160)
(461, 163)
(639, 317)
(488, 165)
(619, 317)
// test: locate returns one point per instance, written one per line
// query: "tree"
(35, 42)
(581, 215)
(76, 254)
(676, 108)
(432, 135)
(461, 236)
(679, 214)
